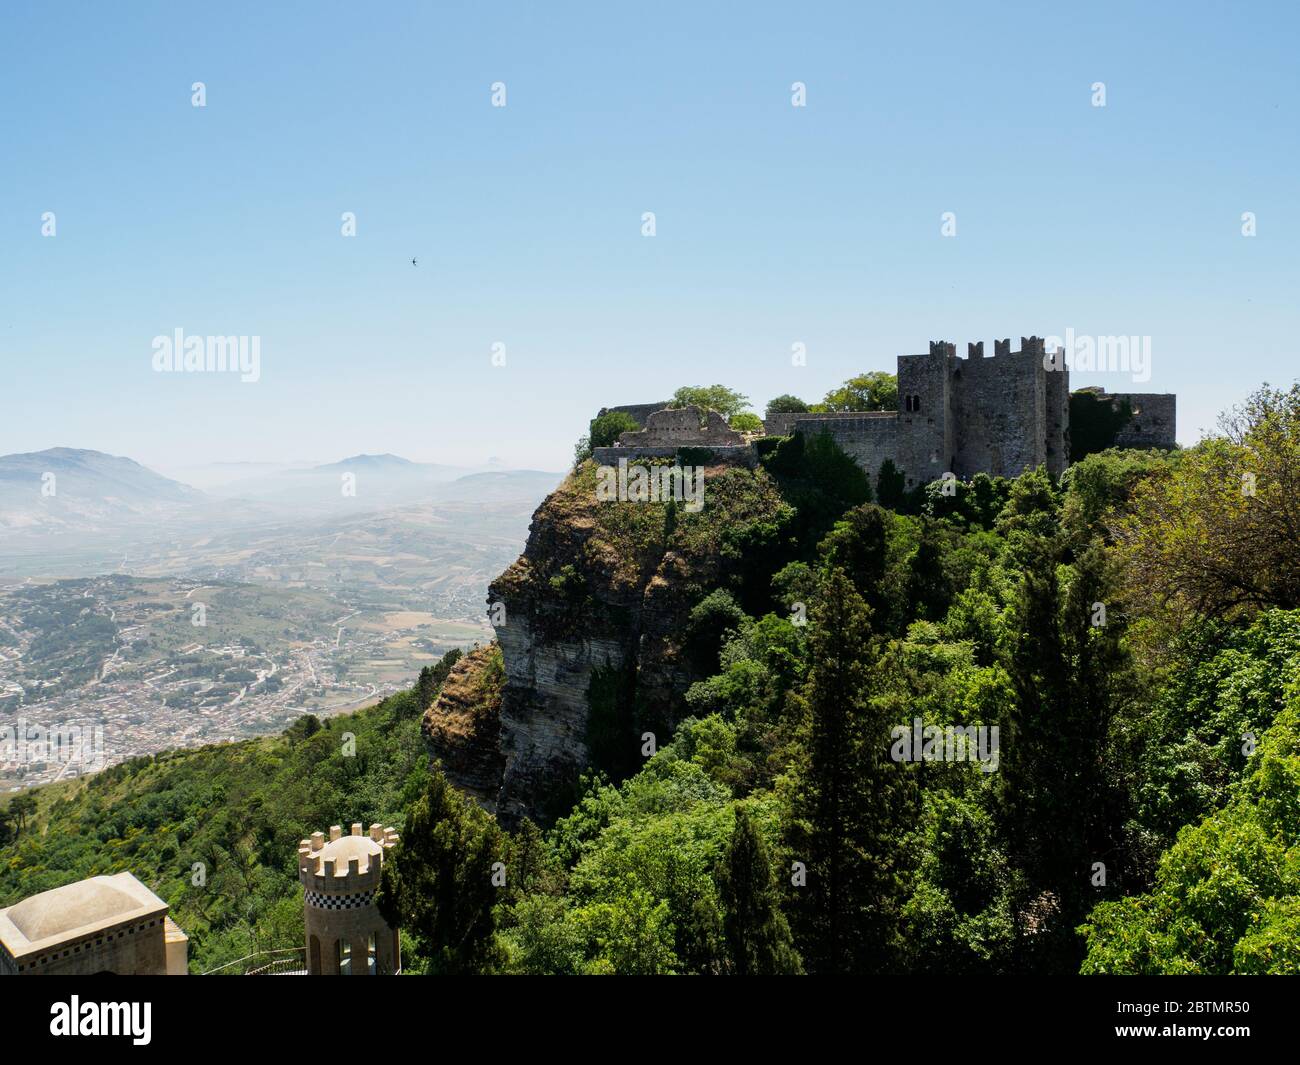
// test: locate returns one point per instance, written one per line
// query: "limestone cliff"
(463, 728)
(591, 622)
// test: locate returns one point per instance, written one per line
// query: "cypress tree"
(852, 806)
(756, 932)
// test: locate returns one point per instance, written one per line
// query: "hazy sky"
(774, 224)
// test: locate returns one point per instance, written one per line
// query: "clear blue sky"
(774, 224)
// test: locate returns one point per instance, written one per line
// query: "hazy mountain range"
(67, 487)
(70, 489)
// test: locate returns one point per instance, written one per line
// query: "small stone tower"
(346, 936)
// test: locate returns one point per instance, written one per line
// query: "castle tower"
(345, 933)
(925, 423)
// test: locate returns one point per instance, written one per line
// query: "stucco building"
(104, 924)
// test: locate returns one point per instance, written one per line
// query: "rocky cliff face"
(591, 622)
(463, 726)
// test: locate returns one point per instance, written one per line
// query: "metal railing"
(266, 963)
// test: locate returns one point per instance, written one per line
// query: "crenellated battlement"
(344, 865)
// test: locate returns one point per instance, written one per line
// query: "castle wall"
(783, 424)
(868, 438)
(731, 454)
(1058, 415)
(925, 423)
(1011, 413)
(1154, 420)
(998, 415)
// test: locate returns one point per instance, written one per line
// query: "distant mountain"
(499, 485)
(106, 511)
(80, 489)
(362, 482)
(378, 462)
(219, 477)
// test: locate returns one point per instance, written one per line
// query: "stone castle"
(999, 414)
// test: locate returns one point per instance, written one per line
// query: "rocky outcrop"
(463, 725)
(591, 622)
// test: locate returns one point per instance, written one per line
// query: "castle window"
(912, 403)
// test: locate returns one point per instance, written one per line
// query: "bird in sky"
(414, 262)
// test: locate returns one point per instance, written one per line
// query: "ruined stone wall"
(639, 412)
(688, 426)
(1154, 419)
(735, 455)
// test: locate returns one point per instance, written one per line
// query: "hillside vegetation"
(1132, 631)
(215, 831)
(1141, 814)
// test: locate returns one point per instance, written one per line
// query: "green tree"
(438, 886)
(756, 932)
(851, 805)
(858, 544)
(1062, 806)
(876, 390)
(724, 400)
(787, 404)
(432, 678)
(890, 485)
(605, 429)
(746, 422)
(1227, 894)
(708, 622)
(1218, 533)
(21, 808)
(929, 591)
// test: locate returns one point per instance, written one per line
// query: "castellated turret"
(346, 935)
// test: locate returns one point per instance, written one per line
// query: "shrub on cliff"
(606, 428)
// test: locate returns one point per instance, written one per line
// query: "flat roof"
(75, 911)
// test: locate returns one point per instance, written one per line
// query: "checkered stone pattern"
(338, 902)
